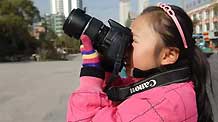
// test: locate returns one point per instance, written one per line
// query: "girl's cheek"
(133, 58)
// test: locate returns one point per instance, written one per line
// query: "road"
(38, 91)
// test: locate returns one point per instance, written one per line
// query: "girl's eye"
(135, 41)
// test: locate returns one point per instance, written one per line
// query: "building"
(65, 6)
(69, 5)
(124, 11)
(60, 10)
(55, 22)
(204, 14)
(142, 4)
(57, 6)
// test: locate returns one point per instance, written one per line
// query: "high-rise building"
(57, 6)
(124, 11)
(65, 6)
(60, 10)
(142, 4)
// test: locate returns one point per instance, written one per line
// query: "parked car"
(201, 43)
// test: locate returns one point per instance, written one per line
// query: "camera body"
(111, 42)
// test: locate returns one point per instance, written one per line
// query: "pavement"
(38, 91)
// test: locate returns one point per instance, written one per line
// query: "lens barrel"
(75, 23)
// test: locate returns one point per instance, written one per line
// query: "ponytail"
(201, 76)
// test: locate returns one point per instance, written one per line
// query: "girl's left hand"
(90, 57)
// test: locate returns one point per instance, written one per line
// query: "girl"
(162, 42)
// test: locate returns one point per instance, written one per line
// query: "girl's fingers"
(87, 43)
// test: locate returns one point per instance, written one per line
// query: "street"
(38, 91)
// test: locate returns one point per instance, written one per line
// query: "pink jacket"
(172, 103)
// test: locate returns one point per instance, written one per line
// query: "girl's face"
(145, 43)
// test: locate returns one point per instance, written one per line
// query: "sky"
(101, 9)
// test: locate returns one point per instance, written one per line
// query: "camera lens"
(78, 22)
(75, 23)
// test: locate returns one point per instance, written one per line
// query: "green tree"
(16, 19)
(46, 40)
(22, 8)
(71, 45)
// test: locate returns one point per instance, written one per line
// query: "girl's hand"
(90, 57)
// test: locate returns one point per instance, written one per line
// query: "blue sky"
(101, 9)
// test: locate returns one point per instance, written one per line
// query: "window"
(215, 10)
(207, 14)
(200, 16)
(200, 28)
(216, 26)
(207, 26)
(216, 33)
(193, 17)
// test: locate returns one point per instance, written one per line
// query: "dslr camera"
(111, 42)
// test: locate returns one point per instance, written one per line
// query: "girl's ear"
(169, 55)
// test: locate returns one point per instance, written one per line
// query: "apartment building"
(204, 14)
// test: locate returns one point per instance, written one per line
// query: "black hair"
(165, 26)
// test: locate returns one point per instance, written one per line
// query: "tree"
(16, 18)
(22, 8)
(71, 45)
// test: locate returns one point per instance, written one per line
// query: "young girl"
(162, 41)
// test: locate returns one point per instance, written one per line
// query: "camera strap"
(178, 75)
(120, 41)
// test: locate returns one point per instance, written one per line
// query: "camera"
(111, 42)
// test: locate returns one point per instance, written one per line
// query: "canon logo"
(150, 83)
